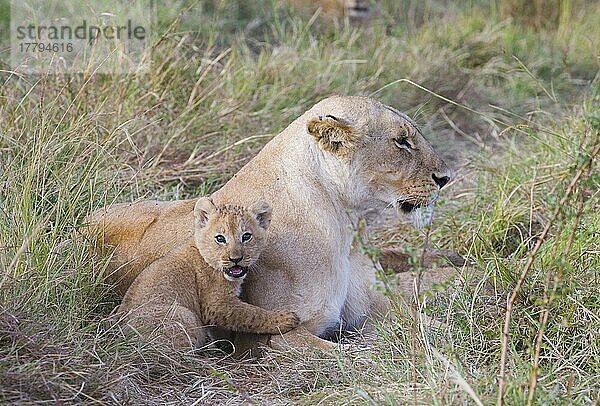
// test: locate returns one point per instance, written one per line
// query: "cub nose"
(235, 260)
(441, 181)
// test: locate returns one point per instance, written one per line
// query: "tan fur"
(354, 9)
(536, 14)
(187, 290)
(318, 197)
(333, 135)
(137, 234)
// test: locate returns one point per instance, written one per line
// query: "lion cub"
(227, 242)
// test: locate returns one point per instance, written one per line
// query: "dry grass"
(516, 111)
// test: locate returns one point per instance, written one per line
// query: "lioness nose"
(441, 181)
(235, 260)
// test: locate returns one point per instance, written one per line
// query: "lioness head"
(231, 238)
(383, 158)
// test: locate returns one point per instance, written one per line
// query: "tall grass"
(523, 120)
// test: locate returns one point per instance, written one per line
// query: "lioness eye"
(402, 143)
(220, 239)
(246, 237)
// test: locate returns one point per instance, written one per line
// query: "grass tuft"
(515, 110)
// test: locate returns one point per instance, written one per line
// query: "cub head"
(379, 155)
(231, 238)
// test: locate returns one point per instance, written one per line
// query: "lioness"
(198, 284)
(345, 159)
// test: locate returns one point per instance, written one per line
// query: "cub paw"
(287, 321)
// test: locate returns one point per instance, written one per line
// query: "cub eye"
(246, 237)
(220, 239)
(402, 143)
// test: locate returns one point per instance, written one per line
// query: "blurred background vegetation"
(506, 90)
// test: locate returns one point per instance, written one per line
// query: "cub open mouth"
(236, 271)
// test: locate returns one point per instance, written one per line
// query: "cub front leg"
(237, 315)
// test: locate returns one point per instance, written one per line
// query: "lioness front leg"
(365, 303)
(234, 314)
(299, 337)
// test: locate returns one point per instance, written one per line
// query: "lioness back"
(137, 234)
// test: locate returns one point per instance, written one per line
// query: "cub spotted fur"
(228, 240)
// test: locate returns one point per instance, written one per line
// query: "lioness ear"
(332, 134)
(203, 209)
(262, 211)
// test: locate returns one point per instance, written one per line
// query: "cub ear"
(333, 134)
(262, 211)
(203, 209)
